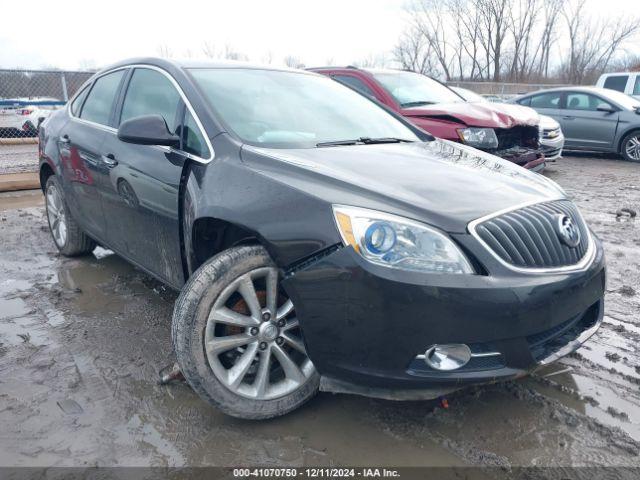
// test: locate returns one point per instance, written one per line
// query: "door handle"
(109, 160)
(568, 117)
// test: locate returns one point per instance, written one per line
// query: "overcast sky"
(72, 34)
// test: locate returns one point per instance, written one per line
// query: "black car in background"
(319, 241)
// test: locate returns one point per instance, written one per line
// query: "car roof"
(183, 64)
(352, 68)
(619, 73)
(585, 89)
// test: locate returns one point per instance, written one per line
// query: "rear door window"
(150, 92)
(546, 100)
(616, 82)
(585, 101)
(99, 104)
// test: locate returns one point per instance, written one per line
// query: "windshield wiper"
(337, 143)
(363, 141)
(416, 104)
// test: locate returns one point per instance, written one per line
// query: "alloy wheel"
(253, 340)
(633, 148)
(56, 216)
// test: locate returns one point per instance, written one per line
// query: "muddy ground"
(82, 340)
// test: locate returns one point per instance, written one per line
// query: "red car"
(508, 131)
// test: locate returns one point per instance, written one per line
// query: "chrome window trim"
(583, 264)
(182, 96)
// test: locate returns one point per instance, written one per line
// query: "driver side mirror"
(603, 107)
(147, 130)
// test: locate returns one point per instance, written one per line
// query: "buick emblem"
(568, 232)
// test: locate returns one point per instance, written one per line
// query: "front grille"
(551, 133)
(528, 237)
(520, 136)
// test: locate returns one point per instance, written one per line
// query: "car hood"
(548, 123)
(491, 115)
(442, 183)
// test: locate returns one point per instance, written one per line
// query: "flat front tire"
(69, 238)
(237, 339)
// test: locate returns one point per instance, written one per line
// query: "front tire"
(630, 147)
(67, 234)
(237, 340)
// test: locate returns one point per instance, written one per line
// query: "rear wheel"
(67, 234)
(631, 147)
(237, 339)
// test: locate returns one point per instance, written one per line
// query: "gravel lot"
(18, 158)
(82, 340)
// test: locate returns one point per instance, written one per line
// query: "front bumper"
(552, 148)
(365, 326)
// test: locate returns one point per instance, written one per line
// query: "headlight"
(400, 243)
(479, 137)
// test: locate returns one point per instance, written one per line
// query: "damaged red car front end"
(515, 127)
(507, 131)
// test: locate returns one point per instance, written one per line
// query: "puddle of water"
(596, 352)
(580, 391)
(13, 307)
(94, 284)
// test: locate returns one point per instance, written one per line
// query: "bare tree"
(431, 21)
(267, 58)
(592, 43)
(549, 35)
(494, 22)
(209, 50)
(373, 60)
(292, 61)
(523, 18)
(231, 53)
(511, 39)
(414, 53)
(164, 51)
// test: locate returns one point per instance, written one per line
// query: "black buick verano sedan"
(319, 241)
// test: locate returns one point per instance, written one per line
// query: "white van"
(625, 82)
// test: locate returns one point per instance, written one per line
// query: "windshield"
(280, 109)
(469, 96)
(621, 99)
(412, 89)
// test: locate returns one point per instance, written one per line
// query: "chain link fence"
(27, 97)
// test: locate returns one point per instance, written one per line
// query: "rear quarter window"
(76, 105)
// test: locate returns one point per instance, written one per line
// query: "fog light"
(447, 357)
